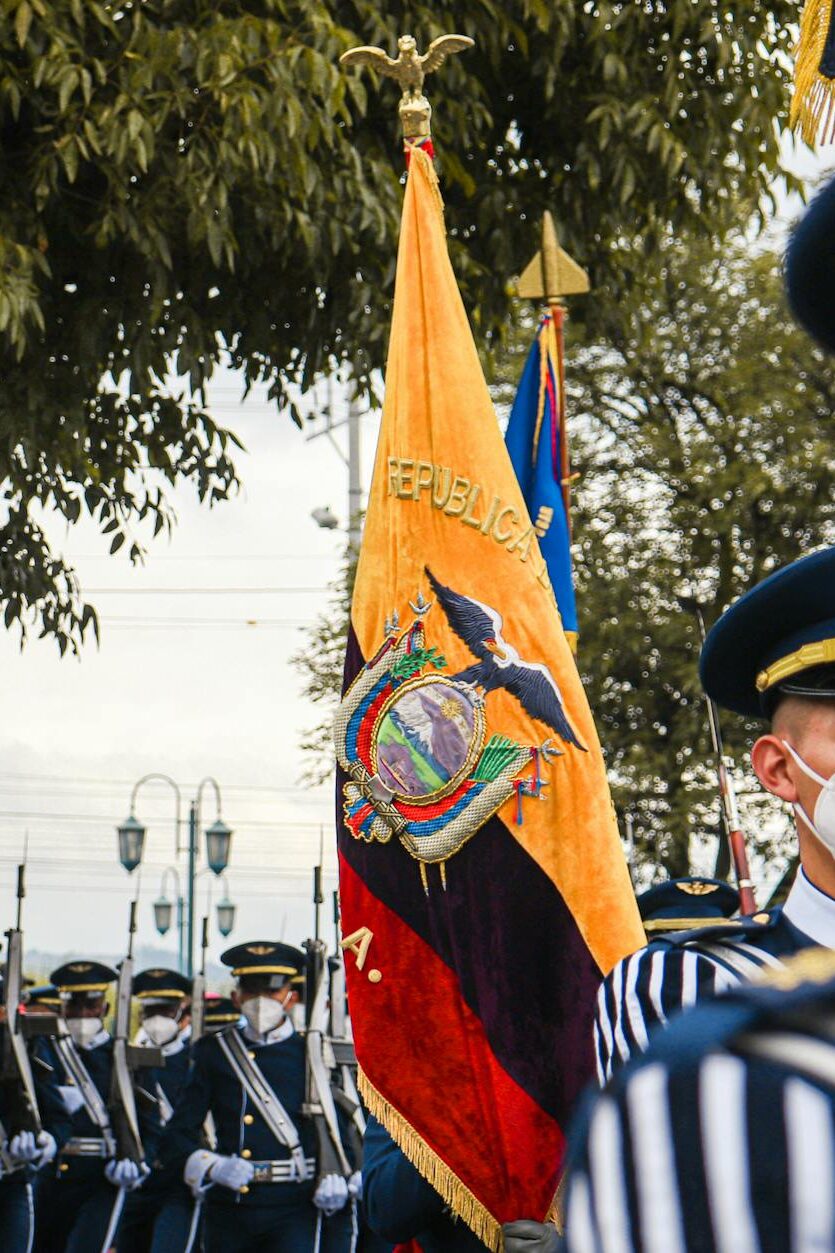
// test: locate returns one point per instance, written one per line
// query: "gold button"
(246, 1152)
(245, 1188)
(64, 1166)
(251, 1056)
(249, 1119)
(763, 917)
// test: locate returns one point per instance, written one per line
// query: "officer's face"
(809, 727)
(285, 996)
(85, 1007)
(161, 1009)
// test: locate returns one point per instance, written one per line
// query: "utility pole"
(192, 858)
(354, 484)
(352, 461)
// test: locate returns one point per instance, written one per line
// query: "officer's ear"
(774, 767)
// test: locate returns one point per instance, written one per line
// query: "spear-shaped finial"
(409, 69)
(552, 273)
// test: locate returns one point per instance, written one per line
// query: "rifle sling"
(80, 1076)
(263, 1097)
(166, 1109)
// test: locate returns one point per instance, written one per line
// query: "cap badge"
(260, 950)
(80, 968)
(697, 889)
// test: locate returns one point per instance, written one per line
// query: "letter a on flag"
(483, 887)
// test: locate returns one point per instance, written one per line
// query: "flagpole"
(551, 275)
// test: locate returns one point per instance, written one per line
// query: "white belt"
(84, 1146)
(283, 1171)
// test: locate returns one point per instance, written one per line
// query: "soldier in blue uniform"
(42, 998)
(220, 1012)
(771, 655)
(686, 904)
(721, 1137)
(80, 1205)
(24, 1155)
(162, 1217)
(259, 1185)
(398, 1203)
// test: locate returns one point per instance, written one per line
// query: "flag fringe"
(813, 102)
(446, 1183)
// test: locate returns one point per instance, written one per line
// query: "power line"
(203, 591)
(189, 784)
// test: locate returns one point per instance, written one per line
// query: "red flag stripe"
(445, 1065)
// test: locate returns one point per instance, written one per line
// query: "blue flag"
(535, 439)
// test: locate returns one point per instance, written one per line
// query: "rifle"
(319, 1103)
(727, 792)
(198, 989)
(344, 1054)
(124, 1120)
(319, 1099)
(16, 1079)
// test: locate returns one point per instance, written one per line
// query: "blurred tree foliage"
(185, 182)
(702, 429)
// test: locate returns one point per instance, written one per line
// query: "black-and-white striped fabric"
(725, 1153)
(727, 1156)
(644, 990)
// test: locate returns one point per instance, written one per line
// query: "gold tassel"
(813, 102)
(416, 153)
(446, 1183)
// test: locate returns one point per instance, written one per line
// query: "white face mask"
(84, 1030)
(160, 1029)
(263, 1013)
(822, 824)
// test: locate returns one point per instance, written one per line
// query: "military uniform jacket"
(676, 971)
(99, 1064)
(212, 1087)
(54, 1116)
(720, 1138)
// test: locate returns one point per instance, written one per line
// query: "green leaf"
(22, 22)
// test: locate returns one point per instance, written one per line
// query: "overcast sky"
(192, 678)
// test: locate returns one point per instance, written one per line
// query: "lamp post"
(218, 842)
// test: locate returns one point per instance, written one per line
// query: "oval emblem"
(427, 738)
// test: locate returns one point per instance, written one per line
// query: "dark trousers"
(74, 1215)
(274, 1229)
(16, 1215)
(160, 1221)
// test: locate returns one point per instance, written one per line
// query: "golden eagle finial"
(409, 69)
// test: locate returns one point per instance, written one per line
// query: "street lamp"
(225, 913)
(131, 842)
(218, 843)
(163, 909)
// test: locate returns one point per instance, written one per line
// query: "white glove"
(331, 1195)
(126, 1174)
(230, 1172)
(23, 1147)
(526, 1236)
(71, 1096)
(355, 1186)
